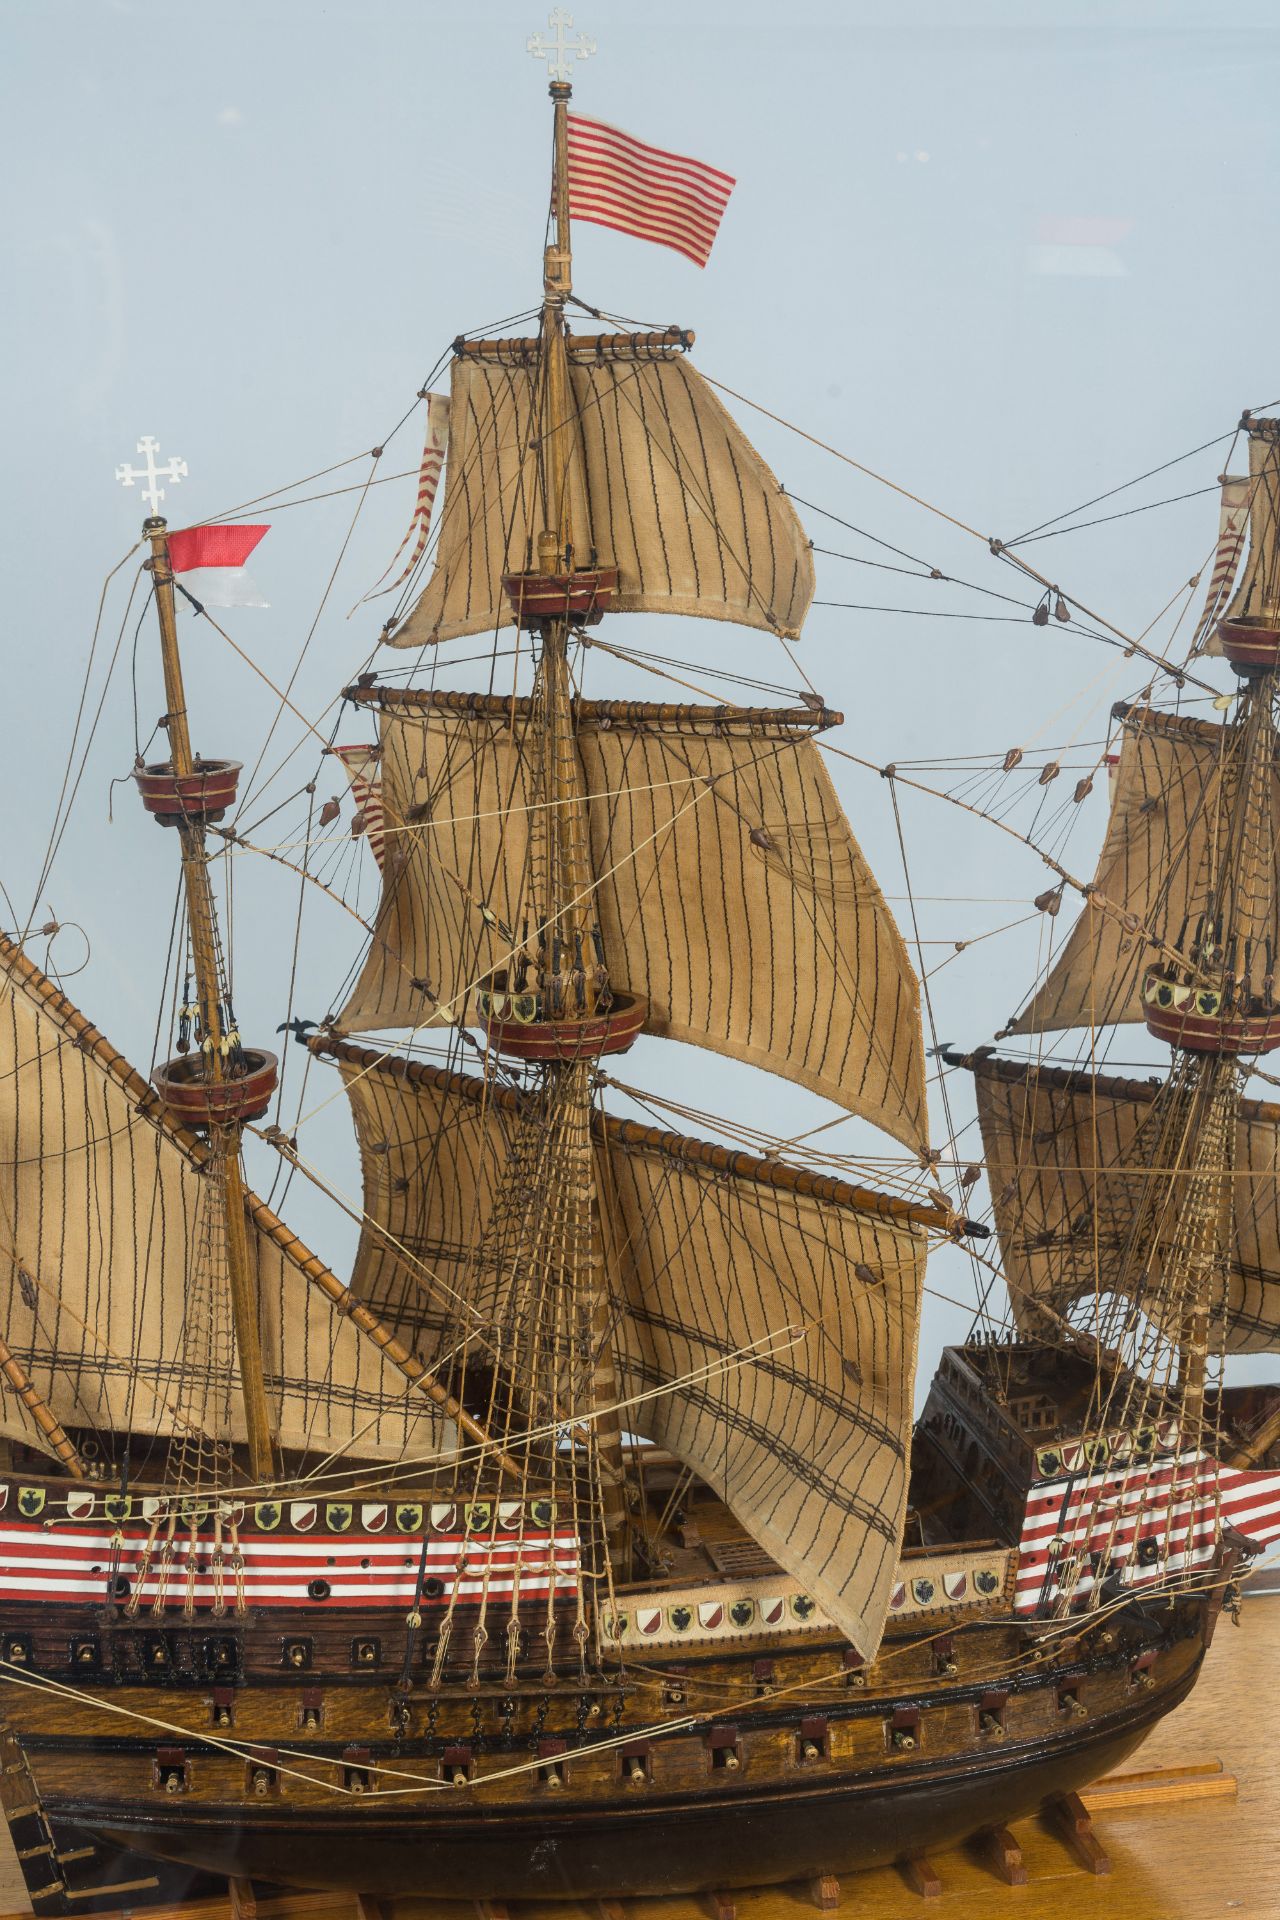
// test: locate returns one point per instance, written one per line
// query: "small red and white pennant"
(363, 766)
(1233, 524)
(419, 528)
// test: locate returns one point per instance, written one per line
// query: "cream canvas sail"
(106, 1215)
(661, 484)
(1082, 1198)
(764, 1332)
(1171, 817)
(730, 892)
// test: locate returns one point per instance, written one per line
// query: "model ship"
(580, 1544)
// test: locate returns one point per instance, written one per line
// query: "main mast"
(224, 1085)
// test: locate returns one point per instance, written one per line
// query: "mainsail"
(763, 1320)
(660, 483)
(730, 892)
(1173, 812)
(1084, 1196)
(106, 1213)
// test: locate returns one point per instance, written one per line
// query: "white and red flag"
(212, 559)
(620, 182)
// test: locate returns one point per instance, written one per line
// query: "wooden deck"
(1198, 1841)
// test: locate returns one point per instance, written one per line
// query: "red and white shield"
(898, 1598)
(302, 1514)
(773, 1610)
(374, 1517)
(149, 1508)
(4, 1498)
(444, 1519)
(955, 1585)
(79, 1505)
(510, 1514)
(648, 1619)
(711, 1614)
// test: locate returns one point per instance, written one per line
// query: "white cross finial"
(558, 52)
(173, 470)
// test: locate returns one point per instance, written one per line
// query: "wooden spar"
(596, 713)
(676, 1146)
(1259, 1444)
(312, 1268)
(579, 346)
(1080, 1080)
(201, 920)
(52, 1429)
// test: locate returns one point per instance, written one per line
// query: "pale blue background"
(250, 229)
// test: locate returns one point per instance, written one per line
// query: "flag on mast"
(618, 181)
(212, 558)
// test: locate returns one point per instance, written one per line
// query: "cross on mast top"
(173, 470)
(560, 50)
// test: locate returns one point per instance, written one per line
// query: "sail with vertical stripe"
(111, 1243)
(1085, 1195)
(763, 1321)
(661, 484)
(731, 894)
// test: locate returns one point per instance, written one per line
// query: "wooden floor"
(1212, 1855)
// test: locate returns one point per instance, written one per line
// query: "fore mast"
(223, 1085)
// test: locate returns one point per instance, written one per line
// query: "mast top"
(558, 51)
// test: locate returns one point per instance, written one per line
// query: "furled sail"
(1078, 1181)
(731, 894)
(105, 1215)
(1171, 809)
(662, 484)
(763, 1320)
(1257, 594)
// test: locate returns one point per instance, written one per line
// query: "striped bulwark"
(72, 1564)
(1145, 1522)
(618, 181)
(364, 770)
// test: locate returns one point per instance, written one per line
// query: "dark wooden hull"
(690, 1825)
(667, 1845)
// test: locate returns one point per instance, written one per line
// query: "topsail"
(660, 483)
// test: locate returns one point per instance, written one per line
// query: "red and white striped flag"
(618, 181)
(433, 453)
(1233, 524)
(363, 766)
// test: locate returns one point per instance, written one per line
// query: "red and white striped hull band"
(1145, 1522)
(72, 1564)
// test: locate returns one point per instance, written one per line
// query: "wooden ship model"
(580, 1545)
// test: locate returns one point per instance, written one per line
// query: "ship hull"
(667, 1846)
(688, 1826)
